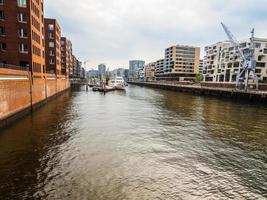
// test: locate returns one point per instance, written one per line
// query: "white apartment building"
(222, 63)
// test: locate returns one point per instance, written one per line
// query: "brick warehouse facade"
(53, 46)
(21, 93)
(26, 80)
(66, 56)
(22, 34)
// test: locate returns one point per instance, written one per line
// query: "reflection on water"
(138, 144)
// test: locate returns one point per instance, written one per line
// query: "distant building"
(52, 46)
(77, 66)
(119, 72)
(21, 40)
(150, 72)
(126, 74)
(181, 63)
(201, 66)
(74, 66)
(92, 74)
(223, 65)
(66, 56)
(136, 70)
(82, 73)
(102, 70)
(159, 71)
(78, 69)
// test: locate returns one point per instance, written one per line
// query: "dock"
(103, 89)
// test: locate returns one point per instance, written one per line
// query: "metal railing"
(14, 67)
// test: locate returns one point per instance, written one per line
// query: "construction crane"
(85, 62)
(248, 61)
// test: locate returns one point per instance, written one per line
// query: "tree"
(198, 78)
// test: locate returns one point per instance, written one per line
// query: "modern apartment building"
(22, 34)
(136, 70)
(66, 56)
(53, 46)
(181, 63)
(159, 71)
(150, 72)
(201, 66)
(222, 63)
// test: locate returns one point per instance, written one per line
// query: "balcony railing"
(14, 67)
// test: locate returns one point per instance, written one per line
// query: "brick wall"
(18, 91)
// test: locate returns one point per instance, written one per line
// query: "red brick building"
(22, 34)
(66, 56)
(53, 46)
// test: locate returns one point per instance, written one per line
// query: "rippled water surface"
(138, 144)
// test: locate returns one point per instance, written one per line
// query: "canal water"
(138, 144)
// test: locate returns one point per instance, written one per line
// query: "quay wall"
(208, 90)
(21, 92)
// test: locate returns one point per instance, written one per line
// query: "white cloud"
(115, 31)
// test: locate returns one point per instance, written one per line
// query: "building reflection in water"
(31, 145)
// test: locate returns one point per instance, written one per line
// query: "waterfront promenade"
(212, 90)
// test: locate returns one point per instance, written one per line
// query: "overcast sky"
(116, 31)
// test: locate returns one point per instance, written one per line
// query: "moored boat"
(118, 83)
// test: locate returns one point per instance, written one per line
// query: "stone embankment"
(225, 91)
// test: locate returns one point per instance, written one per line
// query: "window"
(1, 2)
(260, 64)
(258, 71)
(2, 15)
(51, 53)
(242, 45)
(51, 44)
(22, 3)
(51, 35)
(2, 31)
(50, 27)
(22, 17)
(22, 33)
(2, 46)
(265, 51)
(257, 45)
(23, 48)
(52, 62)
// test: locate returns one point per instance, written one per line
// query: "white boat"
(118, 83)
